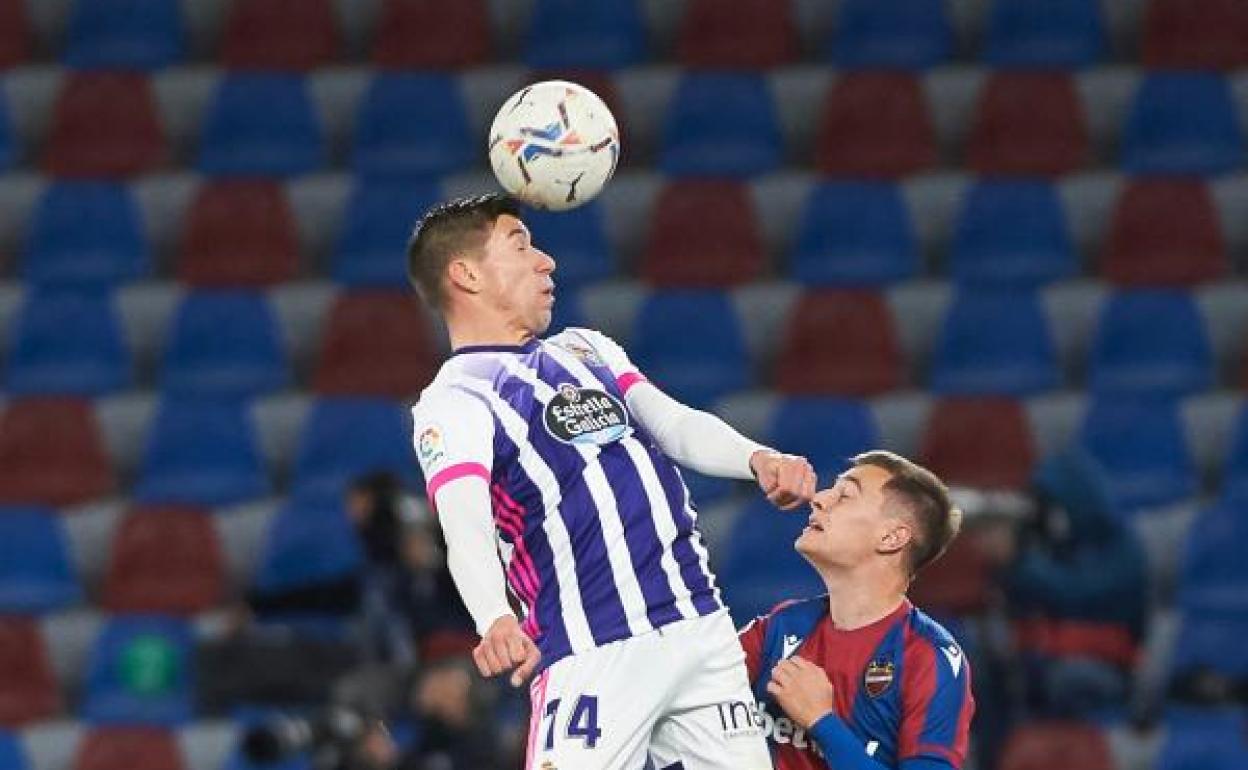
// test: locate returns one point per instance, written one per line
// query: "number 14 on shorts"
(581, 722)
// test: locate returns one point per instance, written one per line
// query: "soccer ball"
(554, 145)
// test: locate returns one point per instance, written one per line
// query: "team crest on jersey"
(431, 446)
(585, 416)
(878, 677)
(585, 353)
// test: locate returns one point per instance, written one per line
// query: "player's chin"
(541, 322)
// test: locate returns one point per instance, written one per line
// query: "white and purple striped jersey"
(596, 527)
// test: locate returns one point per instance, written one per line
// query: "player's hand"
(802, 689)
(787, 480)
(505, 647)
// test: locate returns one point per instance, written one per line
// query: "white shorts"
(678, 697)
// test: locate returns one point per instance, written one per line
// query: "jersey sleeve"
(609, 351)
(453, 436)
(937, 704)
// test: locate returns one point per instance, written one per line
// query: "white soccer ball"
(554, 145)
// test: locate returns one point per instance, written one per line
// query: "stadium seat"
(1213, 642)
(721, 124)
(280, 35)
(984, 443)
(1026, 34)
(45, 358)
(51, 452)
(752, 586)
(1182, 123)
(754, 34)
(128, 748)
(201, 452)
(690, 344)
(1029, 124)
(891, 34)
(378, 220)
(139, 672)
(569, 311)
(226, 344)
(10, 152)
(36, 572)
(1141, 445)
(1151, 343)
(344, 438)
(16, 38)
(1195, 34)
(124, 34)
(239, 233)
(412, 125)
(962, 582)
(104, 124)
(842, 342)
(826, 431)
(261, 125)
(1012, 233)
(682, 251)
(1214, 573)
(376, 343)
(995, 343)
(1235, 474)
(307, 543)
(12, 755)
(1164, 232)
(577, 240)
(855, 234)
(875, 124)
(1050, 744)
(600, 35)
(1197, 739)
(165, 560)
(28, 689)
(431, 34)
(85, 233)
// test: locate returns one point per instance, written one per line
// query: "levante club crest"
(878, 677)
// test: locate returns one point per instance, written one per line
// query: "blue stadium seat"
(1203, 739)
(224, 343)
(1151, 342)
(67, 341)
(1140, 443)
(140, 672)
(569, 310)
(855, 234)
(995, 343)
(827, 431)
(1235, 474)
(1182, 123)
(577, 239)
(124, 34)
(261, 125)
(721, 124)
(412, 125)
(567, 34)
(201, 452)
(9, 150)
(36, 573)
(308, 542)
(343, 438)
(689, 343)
(1214, 641)
(1012, 233)
(1053, 33)
(1214, 576)
(372, 241)
(760, 569)
(891, 34)
(12, 755)
(85, 233)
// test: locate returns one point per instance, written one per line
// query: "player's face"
(847, 521)
(516, 276)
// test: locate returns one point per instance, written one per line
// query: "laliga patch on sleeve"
(431, 447)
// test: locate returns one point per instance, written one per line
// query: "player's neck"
(469, 331)
(856, 600)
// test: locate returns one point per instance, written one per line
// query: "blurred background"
(1007, 238)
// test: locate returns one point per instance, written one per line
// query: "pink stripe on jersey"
(447, 475)
(511, 517)
(628, 380)
(537, 696)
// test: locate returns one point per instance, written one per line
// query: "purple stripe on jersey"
(697, 579)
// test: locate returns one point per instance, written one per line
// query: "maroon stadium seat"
(1046, 745)
(982, 443)
(239, 234)
(959, 583)
(432, 34)
(104, 124)
(839, 341)
(280, 35)
(1028, 124)
(15, 37)
(683, 251)
(1195, 34)
(28, 691)
(751, 34)
(377, 343)
(1164, 232)
(875, 124)
(128, 748)
(51, 452)
(165, 561)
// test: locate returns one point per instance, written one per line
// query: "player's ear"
(896, 536)
(464, 274)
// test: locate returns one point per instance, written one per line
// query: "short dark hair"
(446, 230)
(926, 498)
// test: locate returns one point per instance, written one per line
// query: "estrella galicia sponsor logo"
(739, 719)
(585, 416)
